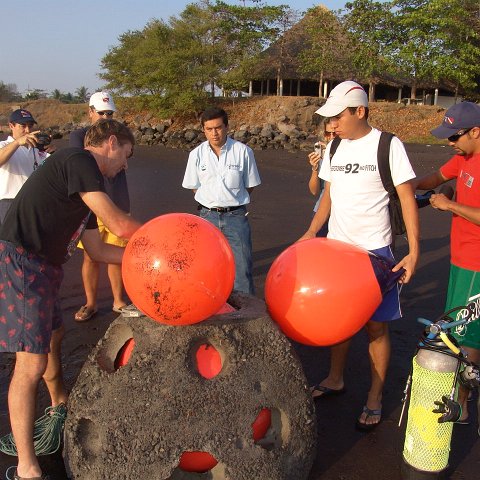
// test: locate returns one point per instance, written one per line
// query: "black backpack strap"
(383, 160)
(333, 147)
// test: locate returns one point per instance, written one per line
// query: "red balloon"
(261, 424)
(209, 361)
(199, 462)
(322, 291)
(178, 269)
(123, 356)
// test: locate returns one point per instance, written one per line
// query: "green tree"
(416, 47)
(202, 49)
(324, 50)
(8, 92)
(82, 94)
(246, 32)
(285, 56)
(458, 32)
(56, 94)
(437, 40)
(67, 98)
(367, 23)
(35, 94)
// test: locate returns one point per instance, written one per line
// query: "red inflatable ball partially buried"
(322, 291)
(178, 269)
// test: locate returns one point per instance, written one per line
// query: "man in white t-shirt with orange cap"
(356, 204)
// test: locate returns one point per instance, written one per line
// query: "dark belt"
(220, 209)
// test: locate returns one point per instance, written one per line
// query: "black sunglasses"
(107, 113)
(460, 133)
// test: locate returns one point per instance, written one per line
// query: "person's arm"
(321, 216)
(118, 222)
(100, 251)
(76, 138)
(410, 216)
(429, 181)
(6, 152)
(440, 202)
(314, 182)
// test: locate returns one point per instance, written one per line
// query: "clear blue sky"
(52, 44)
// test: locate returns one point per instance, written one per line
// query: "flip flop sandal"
(44, 476)
(85, 313)
(320, 391)
(119, 309)
(367, 427)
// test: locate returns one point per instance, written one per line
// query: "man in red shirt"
(461, 126)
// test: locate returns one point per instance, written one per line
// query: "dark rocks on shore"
(281, 135)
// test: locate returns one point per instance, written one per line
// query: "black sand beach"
(279, 214)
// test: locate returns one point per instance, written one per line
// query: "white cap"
(102, 101)
(346, 94)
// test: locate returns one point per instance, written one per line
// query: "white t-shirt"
(14, 173)
(359, 213)
(223, 181)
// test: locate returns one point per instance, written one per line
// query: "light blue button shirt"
(222, 181)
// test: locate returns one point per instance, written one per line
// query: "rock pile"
(281, 135)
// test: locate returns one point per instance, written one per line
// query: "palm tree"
(56, 94)
(82, 93)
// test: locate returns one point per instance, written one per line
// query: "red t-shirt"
(465, 236)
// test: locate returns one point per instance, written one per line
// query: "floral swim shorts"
(29, 306)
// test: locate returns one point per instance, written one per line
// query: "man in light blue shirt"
(222, 173)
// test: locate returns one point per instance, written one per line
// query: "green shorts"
(463, 288)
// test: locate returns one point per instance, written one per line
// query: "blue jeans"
(234, 225)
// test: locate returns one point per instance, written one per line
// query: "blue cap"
(21, 116)
(462, 115)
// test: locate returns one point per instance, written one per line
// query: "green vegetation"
(9, 93)
(215, 48)
(180, 65)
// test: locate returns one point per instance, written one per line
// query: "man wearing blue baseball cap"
(18, 157)
(461, 127)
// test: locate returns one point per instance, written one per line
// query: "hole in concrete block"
(226, 308)
(261, 424)
(124, 354)
(197, 462)
(270, 428)
(89, 438)
(117, 347)
(208, 360)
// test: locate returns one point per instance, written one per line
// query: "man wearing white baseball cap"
(101, 105)
(356, 204)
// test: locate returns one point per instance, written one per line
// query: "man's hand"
(28, 140)
(440, 201)
(409, 263)
(51, 149)
(307, 235)
(314, 159)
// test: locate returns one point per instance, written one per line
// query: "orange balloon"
(199, 462)
(261, 424)
(178, 269)
(124, 354)
(209, 361)
(322, 291)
